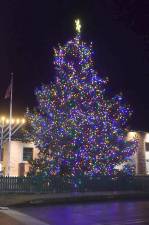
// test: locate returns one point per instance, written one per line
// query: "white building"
(17, 160)
(142, 155)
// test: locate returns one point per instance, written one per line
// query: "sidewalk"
(7, 220)
(18, 199)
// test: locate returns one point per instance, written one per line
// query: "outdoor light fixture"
(5, 120)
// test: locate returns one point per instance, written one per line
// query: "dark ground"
(103, 213)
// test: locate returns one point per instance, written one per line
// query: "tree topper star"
(78, 25)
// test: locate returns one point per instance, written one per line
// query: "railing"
(59, 184)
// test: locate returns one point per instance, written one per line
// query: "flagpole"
(10, 123)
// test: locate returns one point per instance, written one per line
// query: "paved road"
(103, 213)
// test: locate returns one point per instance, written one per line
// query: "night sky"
(118, 29)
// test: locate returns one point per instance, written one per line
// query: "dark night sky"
(119, 30)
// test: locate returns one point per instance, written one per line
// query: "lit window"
(147, 146)
(27, 154)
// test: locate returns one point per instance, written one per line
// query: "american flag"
(8, 91)
(9, 88)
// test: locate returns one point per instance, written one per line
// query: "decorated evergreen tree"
(77, 129)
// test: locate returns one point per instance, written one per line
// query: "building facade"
(141, 157)
(15, 162)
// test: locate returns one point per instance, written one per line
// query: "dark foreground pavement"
(100, 208)
(128, 212)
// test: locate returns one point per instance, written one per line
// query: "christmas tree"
(77, 129)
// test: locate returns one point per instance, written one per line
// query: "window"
(27, 154)
(2, 154)
(147, 146)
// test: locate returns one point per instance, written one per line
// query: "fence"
(60, 184)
